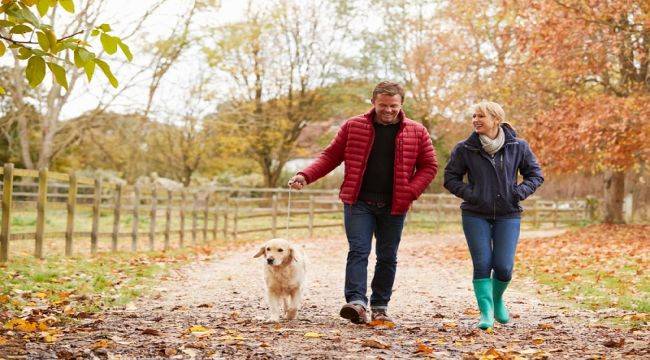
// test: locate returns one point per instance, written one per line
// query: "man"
(389, 161)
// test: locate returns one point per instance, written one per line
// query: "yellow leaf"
(313, 335)
(381, 324)
(538, 341)
(4, 299)
(2, 341)
(101, 344)
(422, 348)
(40, 295)
(198, 328)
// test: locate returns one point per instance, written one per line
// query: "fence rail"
(205, 213)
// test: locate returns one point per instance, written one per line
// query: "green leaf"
(26, 14)
(43, 6)
(95, 32)
(107, 71)
(105, 27)
(125, 50)
(59, 74)
(35, 71)
(89, 68)
(67, 5)
(6, 23)
(78, 61)
(43, 42)
(109, 43)
(20, 29)
(3, 48)
(24, 53)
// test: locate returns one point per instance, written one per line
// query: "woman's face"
(483, 123)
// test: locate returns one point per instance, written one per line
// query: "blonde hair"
(491, 108)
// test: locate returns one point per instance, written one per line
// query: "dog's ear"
(260, 252)
(293, 253)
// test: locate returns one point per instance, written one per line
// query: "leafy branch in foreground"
(23, 33)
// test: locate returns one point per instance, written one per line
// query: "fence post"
(95, 227)
(311, 216)
(152, 217)
(181, 234)
(216, 217)
(136, 217)
(235, 220)
(168, 217)
(225, 216)
(116, 216)
(274, 220)
(205, 218)
(7, 190)
(72, 202)
(41, 201)
(195, 200)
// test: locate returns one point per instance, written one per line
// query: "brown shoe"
(380, 315)
(354, 312)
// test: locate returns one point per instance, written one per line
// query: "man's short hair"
(388, 88)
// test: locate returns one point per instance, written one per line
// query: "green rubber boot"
(483, 292)
(500, 310)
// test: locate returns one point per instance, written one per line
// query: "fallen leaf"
(538, 341)
(381, 324)
(492, 353)
(611, 343)
(151, 332)
(374, 344)
(545, 326)
(449, 325)
(313, 335)
(422, 348)
(101, 344)
(2, 341)
(40, 295)
(170, 351)
(198, 328)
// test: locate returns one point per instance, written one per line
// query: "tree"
(276, 59)
(601, 52)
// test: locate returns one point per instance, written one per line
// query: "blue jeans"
(492, 244)
(362, 220)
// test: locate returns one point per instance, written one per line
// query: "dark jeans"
(362, 220)
(492, 244)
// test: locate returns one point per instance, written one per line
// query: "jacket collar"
(473, 140)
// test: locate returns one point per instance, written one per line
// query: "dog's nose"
(269, 261)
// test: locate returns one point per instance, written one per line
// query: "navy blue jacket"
(493, 191)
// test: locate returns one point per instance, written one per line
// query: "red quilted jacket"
(415, 160)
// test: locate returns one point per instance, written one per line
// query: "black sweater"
(377, 185)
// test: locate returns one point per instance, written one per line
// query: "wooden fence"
(208, 212)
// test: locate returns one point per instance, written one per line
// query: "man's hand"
(297, 182)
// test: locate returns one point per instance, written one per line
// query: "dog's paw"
(291, 314)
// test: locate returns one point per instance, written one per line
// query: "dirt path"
(432, 304)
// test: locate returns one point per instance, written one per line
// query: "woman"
(491, 157)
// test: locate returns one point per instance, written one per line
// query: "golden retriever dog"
(284, 273)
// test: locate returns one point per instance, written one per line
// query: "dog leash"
(288, 211)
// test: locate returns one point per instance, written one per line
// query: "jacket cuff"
(305, 176)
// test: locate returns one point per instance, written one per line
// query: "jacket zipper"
(496, 172)
(365, 162)
(397, 152)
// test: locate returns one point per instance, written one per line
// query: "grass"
(596, 267)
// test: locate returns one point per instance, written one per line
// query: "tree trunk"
(614, 194)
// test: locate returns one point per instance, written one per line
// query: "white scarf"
(491, 146)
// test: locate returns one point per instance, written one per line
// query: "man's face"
(387, 108)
